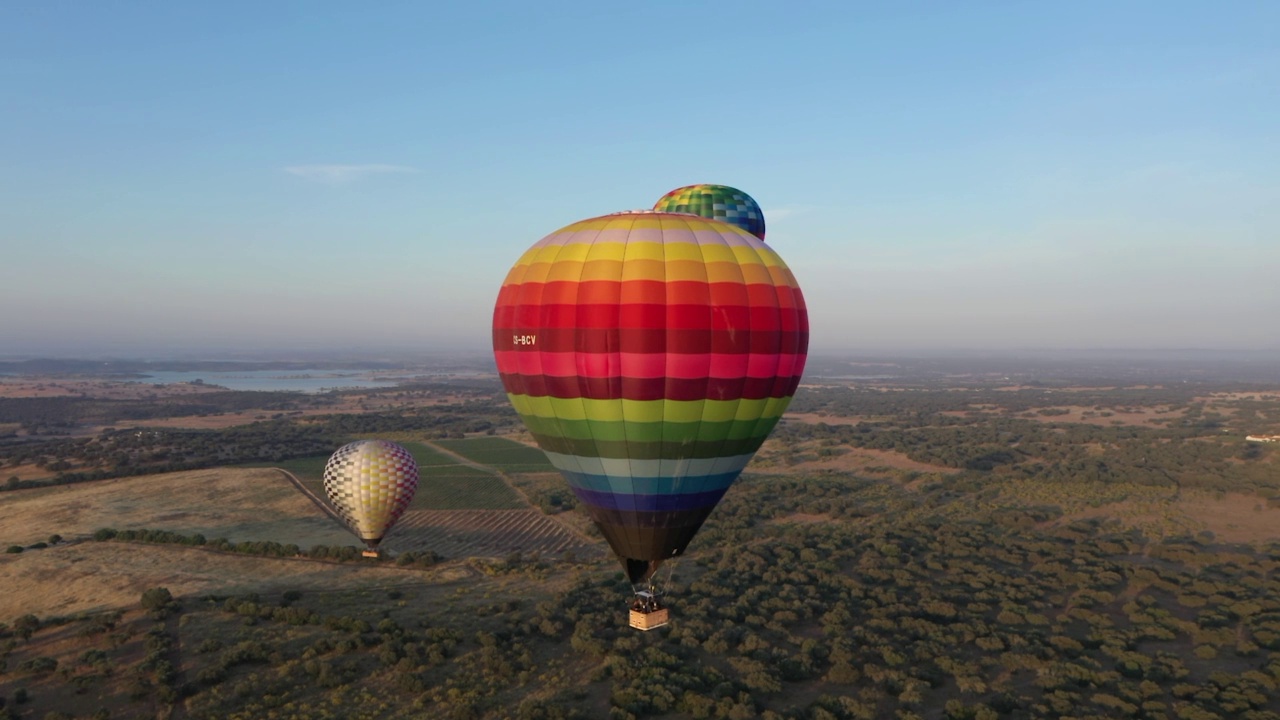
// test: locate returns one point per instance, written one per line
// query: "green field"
(506, 455)
(443, 483)
(427, 456)
(310, 470)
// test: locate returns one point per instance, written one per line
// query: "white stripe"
(616, 467)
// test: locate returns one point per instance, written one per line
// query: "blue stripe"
(650, 503)
(628, 485)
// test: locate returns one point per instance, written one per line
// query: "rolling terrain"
(973, 552)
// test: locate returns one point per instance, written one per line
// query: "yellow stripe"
(637, 250)
(656, 221)
(652, 270)
(575, 252)
(529, 256)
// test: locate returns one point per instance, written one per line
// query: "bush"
(158, 600)
(14, 549)
(39, 665)
(209, 645)
(24, 626)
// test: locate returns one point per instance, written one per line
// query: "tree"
(24, 626)
(158, 600)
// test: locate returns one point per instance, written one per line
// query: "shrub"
(24, 626)
(39, 665)
(158, 600)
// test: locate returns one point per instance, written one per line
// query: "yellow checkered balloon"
(371, 483)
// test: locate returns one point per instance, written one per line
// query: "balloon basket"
(647, 612)
(370, 554)
(650, 619)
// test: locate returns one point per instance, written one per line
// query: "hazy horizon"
(426, 355)
(940, 178)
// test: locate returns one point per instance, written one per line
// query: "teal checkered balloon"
(719, 202)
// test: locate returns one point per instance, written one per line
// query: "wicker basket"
(651, 620)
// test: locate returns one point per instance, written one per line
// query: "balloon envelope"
(371, 483)
(650, 354)
(719, 202)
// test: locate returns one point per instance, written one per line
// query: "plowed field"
(468, 533)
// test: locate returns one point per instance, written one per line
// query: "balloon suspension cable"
(671, 570)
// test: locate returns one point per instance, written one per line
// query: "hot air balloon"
(650, 354)
(719, 202)
(371, 483)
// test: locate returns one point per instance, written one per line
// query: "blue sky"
(182, 177)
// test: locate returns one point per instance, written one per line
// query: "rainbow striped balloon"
(650, 354)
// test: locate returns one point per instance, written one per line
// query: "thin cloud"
(340, 174)
(784, 212)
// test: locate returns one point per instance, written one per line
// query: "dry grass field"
(25, 472)
(1232, 517)
(92, 576)
(354, 403)
(240, 504)
(233, 503)
(867, 460)
(1159, 512)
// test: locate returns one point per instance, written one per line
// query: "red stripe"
(644, 340)
(651, 316)
(655, 365)
(625, 388)
(678, 292)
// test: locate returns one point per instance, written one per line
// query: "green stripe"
(649, 450)
(648, 410)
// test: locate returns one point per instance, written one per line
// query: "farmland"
(487, 533)
(902, 552)
(233, 503)
(465, 510)
(497, 452)
(444, 483)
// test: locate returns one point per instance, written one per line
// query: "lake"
(308, 381)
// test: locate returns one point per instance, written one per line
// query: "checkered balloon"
(718, 202)
(371, 483)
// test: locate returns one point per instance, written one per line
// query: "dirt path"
(320, 503)
(461, 460)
